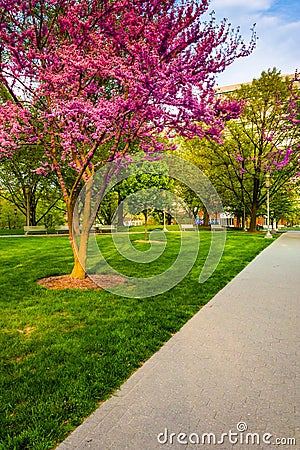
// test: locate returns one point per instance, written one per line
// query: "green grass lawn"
(64, 352)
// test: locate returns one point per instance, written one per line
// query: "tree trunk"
(240, 222)
(253, 218)
(145, 212)
(32, 215)
(78, 271)
(205, 219)
(79, 268)
(254, 205)
(120, 211)
(80, 251)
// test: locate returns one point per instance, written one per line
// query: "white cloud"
(278, 43)
(253, 5)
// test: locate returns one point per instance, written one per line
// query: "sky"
(278, 31)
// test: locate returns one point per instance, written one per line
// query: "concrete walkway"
(234, 365)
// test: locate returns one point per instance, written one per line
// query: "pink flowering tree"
(90, 79)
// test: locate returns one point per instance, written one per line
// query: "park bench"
(35, 229)
(105, 228)
(217, 228)
(188, 227)
(62, 229)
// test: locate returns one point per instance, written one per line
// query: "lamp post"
(164, 211)
(27, 206)
(165, 228)
(15, 213)
(268, 234)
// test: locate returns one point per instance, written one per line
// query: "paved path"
(235, 362)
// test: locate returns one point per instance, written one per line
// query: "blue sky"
(278, 29)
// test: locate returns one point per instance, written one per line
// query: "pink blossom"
(93, 79)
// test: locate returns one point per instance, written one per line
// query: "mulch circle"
(94, 282)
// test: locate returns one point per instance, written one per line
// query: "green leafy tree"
(260, 141)
(282, 206)
(33, 195)
(108, 208)
(142, 190)
(10, 217)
